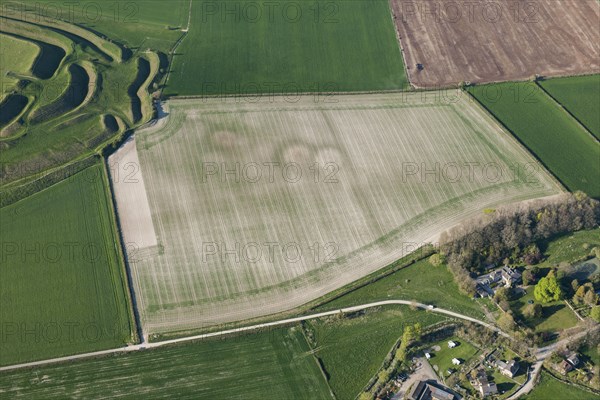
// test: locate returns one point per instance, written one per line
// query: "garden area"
(555, 316)
(442, 355)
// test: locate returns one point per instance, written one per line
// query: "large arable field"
(268, 365)
(260, 207)
(287, 46)
(552, 135)
(62, 280)
(580, 95)
(497, 41)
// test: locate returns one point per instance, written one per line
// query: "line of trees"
(509, 234)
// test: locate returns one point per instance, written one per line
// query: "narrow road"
(541, 354)
(251, 328)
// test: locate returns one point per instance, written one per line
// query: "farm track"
(541, 355)
(283, 322)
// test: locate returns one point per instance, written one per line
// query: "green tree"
(365, 396)
(506, 322)
(548, 289)
(580, 292)
(590, 298)
(533, 311)
(595, 313)
(503, 294)
(409, 334)
(384, 375)
(436, 259)
(575, 285)
(418, 331)
(401, 354)
(527, 277)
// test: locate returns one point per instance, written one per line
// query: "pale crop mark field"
(261, 206)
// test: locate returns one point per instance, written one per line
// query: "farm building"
(573, 359)
(455, 361)
(451, 344)
(568, 364)
(482, 292)
(508, 368)
(427, 356)
(483, 385)
(510, 276)
(425, 390)
(564, 367)
(488, 284)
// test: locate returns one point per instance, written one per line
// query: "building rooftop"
(424, 390)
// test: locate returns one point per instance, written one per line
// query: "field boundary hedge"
(13, 194)
(124, 270)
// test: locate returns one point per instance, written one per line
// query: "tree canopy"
(548, 289)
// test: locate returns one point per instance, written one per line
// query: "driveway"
(423, 372)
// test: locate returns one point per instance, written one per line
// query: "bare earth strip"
(489, 41)
(132, 203)
(262, 206)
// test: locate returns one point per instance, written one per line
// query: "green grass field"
(352, 349)
(16, 56)
(579, 95)
(441, 360)
(550, 388)
(63, 288)
(551, 134)
(569, 248)
(63, 120)
(317, 46)
(556, 315)
(269, 365)
(421, 282)
(140, 24)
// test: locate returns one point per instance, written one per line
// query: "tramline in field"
(259, 207)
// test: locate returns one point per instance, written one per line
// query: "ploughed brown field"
(487, 41)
